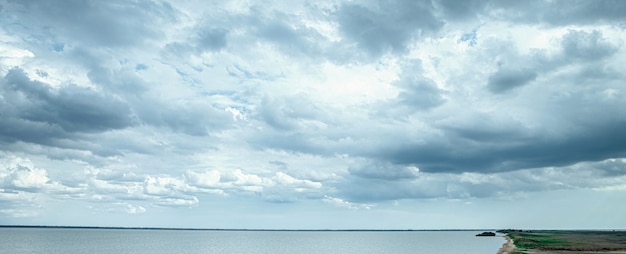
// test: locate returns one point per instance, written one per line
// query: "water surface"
(95, 241)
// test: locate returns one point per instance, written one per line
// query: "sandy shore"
(507, 247)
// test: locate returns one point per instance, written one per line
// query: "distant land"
(566, 241)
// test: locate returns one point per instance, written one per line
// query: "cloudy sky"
(313, 114)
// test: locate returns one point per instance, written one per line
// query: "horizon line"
(229, 229)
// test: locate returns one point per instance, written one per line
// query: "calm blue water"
(95, 241)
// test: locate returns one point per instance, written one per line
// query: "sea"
(140, 241)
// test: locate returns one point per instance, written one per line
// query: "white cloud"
(240, 178)
(163, 186)
(123, 207)
(27, 178)
(345, 204)
(285, 179)
(11, 55)
(178, 201)
(203, 179)
(21, 174)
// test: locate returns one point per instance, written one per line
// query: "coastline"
(564, 241)
(508, 247)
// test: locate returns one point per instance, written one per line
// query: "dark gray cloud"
(586, 46)
(212, 38)
(460, 10)
(66, 118)
(110, 23)
(481, 185)
(278, 115)
(492, 154)
(286, 32)
(611, 168)
(588, 50)
(559, 13)
(288, 113)
(203, 38)
(389, 26)
(74, 119)
(507, 79)
(122, 80)
(192, 118)
(418, 92)
(259, 26)
(583, 12)
(383, 170)
(44, 112)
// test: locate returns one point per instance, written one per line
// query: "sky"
(325, 114)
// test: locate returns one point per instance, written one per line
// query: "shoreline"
(508, 247)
